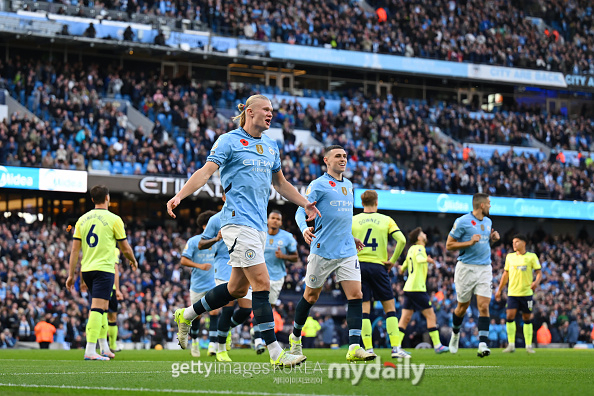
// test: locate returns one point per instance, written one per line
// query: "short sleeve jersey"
(222, 269)
(333, 231)
(520, 268)
(246, 164)
(98, 230)
(287, 244)
(463, 230)
(416, 264)
(201, 280)
(373, 229)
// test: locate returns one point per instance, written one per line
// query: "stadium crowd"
(33, 271)
(391, 144)
(487, 32)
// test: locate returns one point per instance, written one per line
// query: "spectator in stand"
(44, 332)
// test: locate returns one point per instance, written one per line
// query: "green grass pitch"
(548, 372)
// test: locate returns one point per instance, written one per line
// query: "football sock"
(511, 331)
(195, 330)
(366, 332)
(392, 328)
(93, 329)
(401, 332)
(301, 314)
(354, 319)
(112, 332)
(224, 324)
(483, 328)
(240, 315)
(213, 328)
(456, 323)
(215, 298)
(528, 332)
(265, 319)
(434, 334)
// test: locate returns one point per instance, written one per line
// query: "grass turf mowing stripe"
(197, 391)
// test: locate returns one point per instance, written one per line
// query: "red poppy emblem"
(332, 183)
(244, 142)
(473, 222)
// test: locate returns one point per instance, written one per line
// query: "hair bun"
(241, 106)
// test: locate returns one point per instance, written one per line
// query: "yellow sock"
(366, 334)
(511, 332)
(528, 332)
(112, 331)
(399, 337)
(434, 334)
(392, 329)
(93, 326)
(103, 331)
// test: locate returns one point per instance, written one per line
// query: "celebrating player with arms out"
(333, 248)
(373, 229)
(249, 162)
(519, 268)
(472, 234)
(415, 289)
(96, 233)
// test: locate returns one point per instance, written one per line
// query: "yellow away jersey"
(98, 230)
(373, 230)
(416, 263)
(520, 267)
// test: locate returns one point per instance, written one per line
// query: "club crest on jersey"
(313, 278)
(332, 183)
(259, 149)
(482, 227)
(345, 191)
(244, 142)
(250, 254)
(271, 150)
(280, 243)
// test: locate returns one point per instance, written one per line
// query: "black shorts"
(113, 302)
(416, 301)
(524, 304)
(375, 281)
(100, 283)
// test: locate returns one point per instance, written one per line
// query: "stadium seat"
(116, 167)
(128, 169)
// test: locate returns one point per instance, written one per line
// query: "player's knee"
(357, 295)
(311, 297)
(238, 291)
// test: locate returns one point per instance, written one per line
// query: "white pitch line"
(198, 391)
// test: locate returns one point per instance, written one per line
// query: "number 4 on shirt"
(373, 245)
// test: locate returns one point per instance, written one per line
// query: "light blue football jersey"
(463, 230)
(334, 238)
(200, 281)
(287, 244)
(246, 165)
(222, 269)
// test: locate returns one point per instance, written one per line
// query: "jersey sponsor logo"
(250, 254)
(344, 191)
(244, 142)
(259, 149)
(257, 162)
(332, 183)
(271, 150)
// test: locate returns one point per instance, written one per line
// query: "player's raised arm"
(196, 181)
(288, 191)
